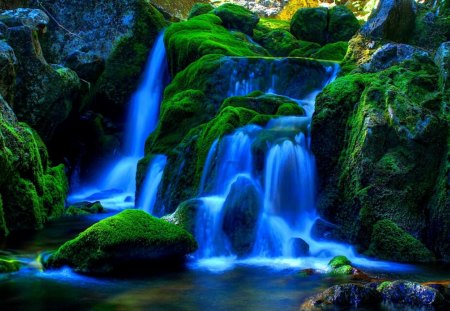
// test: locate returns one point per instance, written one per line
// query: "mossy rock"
(310, 24)
(56, 188)
(266, 25)
(342, 271)
(306, 49)
(390, 242)
(236, 17)
(188, 41)
(338, 262)
(8, 265)
(342, 24)
(279, 42)
(185, 215)
(124, 242)
(332, 51)
(84, 208)
(200, 9)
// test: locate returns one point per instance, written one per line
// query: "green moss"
(130, 238)
(236, 17)
(278, 42)
(8, 265)
(185, 215)
(3, 229)
(342, 270)
(338, 262)
(189, 41)
(390, 242)
(342, 24)
(56, 188)
(310, 24)
(84, 209)
(332, 51)
(200, 9)
(306, 49)
(383, 285)
(266, 25)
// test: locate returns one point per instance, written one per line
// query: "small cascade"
(153, 178)
(117, 183)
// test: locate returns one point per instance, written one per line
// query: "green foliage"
(118, 242)
(189, 41)
(332, 51)
(391, 242)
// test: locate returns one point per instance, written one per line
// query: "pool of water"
(247, 285)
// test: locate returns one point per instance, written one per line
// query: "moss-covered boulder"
(305, 49)
(339, 261)
(84, 208)
(310, 24)
(31, 190)
(279, 42)
(130, 240)
(185, 215)
(235, 17)
(188, 41)
(8, 265)
(332, 51)
(390, 242)
(199, 9)
(342, 24)
(372, 135)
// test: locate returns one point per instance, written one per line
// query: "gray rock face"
(412, 294)
(33, 18)
(8, 62)
(88, 66)
(442, 60)
(392, 20)
(392, 54)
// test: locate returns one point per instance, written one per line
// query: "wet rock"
(32, 18)
(88, 66)
(185, 215)
(8, 62)
(235, 17)
(392, 20)
(8, 265)
(411, 294)
(85, 208)
(300, 247)
(125, 242)
(44, 94)
(241, 210)
(392, 54)
(343, 296)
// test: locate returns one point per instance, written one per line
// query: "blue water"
(118, 179)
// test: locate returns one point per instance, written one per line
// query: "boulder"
(300, 247)
(392, 54)
(279, 42)
(235, 17)
(392, 20)
(44, 94)
(199, 9)
(342, 24)
(310, 24)
(442, 60)
(185, 215)
(241, 210)
(33, 18)
(84, 208)
(343, 296)
(88, 66)
(125, 242)
(8, 63)
(411, 294)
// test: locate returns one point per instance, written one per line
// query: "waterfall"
(117, 183)
(280, 198)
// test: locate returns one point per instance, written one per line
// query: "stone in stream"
(411, 294)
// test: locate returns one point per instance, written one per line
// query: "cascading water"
(117, 183)
(286, 210)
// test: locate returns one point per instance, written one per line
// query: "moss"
(200, 9)
(342, 24)
(3, 229)
(383, 285)
(189, 41)
(338, 262)
(56, 188)
(332, 51)
(278, 42)
(306, 49)
(310, 24)
(185, 215)
(266, 25)
(236, 17)
(342, 270)
(8, 265)
(390, 242)
(85, 208)
(120, 242)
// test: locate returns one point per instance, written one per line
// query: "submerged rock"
(128, 241)
(343, 296)
(392, 20)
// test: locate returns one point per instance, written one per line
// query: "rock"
(392, 243)
(342, 24)
(32, 18)
(241, 210)
(128, 241)
(199, 9)
(235, 17)
(300, 247)
(392, 20)
(332, 51)
(8, 265)
(343, 296)
(310, 24)
(8, 62)
(44, 94)
(31, 192)
(279, 42)
(442, 60)
(85, 208)
(411, 294)
(392, 54)
(185, 215)
(88, 66)
(339, 261)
